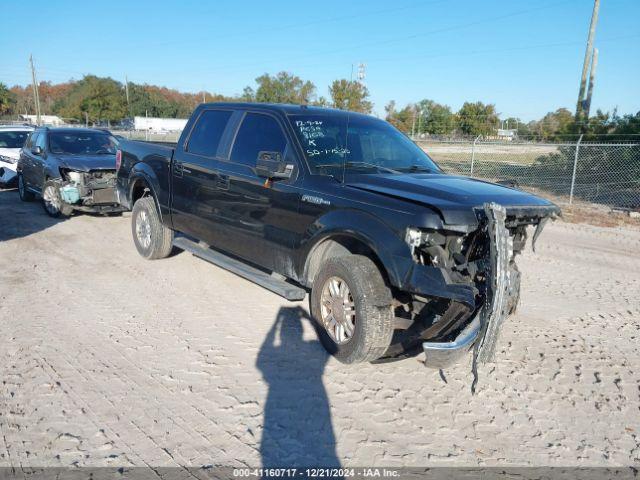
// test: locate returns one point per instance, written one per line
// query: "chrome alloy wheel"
(338, 310)
(51, 200)
(143, 229)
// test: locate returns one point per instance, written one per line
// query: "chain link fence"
(149, 136)
(603, 173)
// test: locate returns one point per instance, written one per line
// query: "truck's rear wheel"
(351, 305)
(153, 240)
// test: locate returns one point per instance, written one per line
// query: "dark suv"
(71, 169)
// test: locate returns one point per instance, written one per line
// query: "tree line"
(479, 119)
(100, 99)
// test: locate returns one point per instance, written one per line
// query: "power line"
(235, 67)
(62, 74)
(243, 33)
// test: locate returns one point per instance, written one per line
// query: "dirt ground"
(107, 359)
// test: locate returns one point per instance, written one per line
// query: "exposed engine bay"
(92, 191)
(484, 260)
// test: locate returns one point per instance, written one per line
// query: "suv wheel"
(153, 240)
(351, 305)
(52, 201)
(25, 195)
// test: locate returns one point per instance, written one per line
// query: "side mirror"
(270, 165)
(37, 150)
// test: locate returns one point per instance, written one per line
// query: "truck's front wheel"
(351, 305)
(153, 240)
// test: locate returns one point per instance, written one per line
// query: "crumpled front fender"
(433, 282)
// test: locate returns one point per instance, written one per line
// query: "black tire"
(25, 195)
(57, 208)
(157, 241)
(373, 312)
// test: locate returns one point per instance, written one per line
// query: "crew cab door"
(257, 217)
(195, 176)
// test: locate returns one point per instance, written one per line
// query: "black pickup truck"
(398, 256)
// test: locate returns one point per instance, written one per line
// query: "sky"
(523, 56)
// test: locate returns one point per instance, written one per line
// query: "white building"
(53, 120)
(153, 124)
(507, 134)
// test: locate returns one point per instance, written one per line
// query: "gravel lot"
(107, 359)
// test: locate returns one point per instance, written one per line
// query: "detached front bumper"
(8, 175)
(500, 299)
(443, 354)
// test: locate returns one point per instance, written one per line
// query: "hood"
(10, 152)
(86, 163)
(453, 196)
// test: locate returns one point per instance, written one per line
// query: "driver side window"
(258, 133)
(32, 141)
(41, 141)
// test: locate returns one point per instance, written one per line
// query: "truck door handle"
(223, 182)
(178, 169)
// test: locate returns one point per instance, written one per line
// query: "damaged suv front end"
(88, 191)
(72, 169)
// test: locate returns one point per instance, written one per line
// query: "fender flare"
(142, 171)
(365, 228)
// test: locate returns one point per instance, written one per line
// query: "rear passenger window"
(257, 133)
(206, 134)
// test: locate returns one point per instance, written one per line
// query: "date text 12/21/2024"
(316, 472)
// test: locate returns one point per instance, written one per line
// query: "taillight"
(118, 159)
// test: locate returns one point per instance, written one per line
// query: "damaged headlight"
(445, 249)
(70, 189)
(413, 237)
(75, 177)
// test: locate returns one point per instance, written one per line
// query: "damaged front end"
(463, 286)
(92, 191)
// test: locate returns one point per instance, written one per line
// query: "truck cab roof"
(284, 108)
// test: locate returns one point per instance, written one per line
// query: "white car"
(12, 138)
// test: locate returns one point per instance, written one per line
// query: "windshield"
(13, 139)
(367, 145)
(82, 143)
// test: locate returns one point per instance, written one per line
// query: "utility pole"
(587, 60)
(204, 97)
(126, 92)
(592, 79)
(413, 125)
(36, 95)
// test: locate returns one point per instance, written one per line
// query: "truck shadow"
(20, 219)
(297, 428)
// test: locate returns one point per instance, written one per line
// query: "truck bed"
(148, 159)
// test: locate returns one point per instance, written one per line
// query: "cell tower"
(361, 72)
